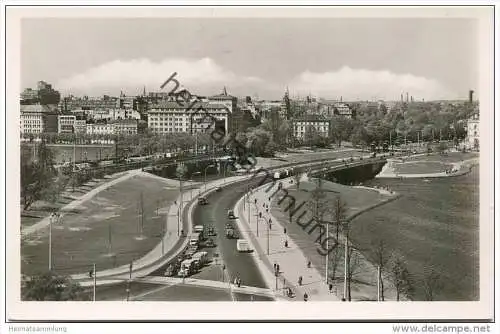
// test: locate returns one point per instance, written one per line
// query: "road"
(237, 264)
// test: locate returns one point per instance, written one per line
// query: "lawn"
(421, 167)
(41, 209)
(356, 200)
(81, 238)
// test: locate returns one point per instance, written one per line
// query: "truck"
(242, 246)
(195, 239)
(187, 268)
(201, 257)
(230, 232)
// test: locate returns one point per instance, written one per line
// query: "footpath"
(268, 241)
(77, 202)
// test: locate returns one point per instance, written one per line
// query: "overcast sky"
(328, 57)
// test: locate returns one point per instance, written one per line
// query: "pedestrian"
(330, 287)
(275, 265)
(306, 297)
(300, 280)
(278, 268)
(286, 243)
(239, 282)
(235, 281)
(284, 230)
(308, 264)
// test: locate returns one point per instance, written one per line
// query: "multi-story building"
(66, 123)
(342, 109)
(125, 127)
(80, 126)
(36, 118)
(224, 99)
(169, 117)
(473, 131)
(319, 124)
(29, 95)
(100, 129)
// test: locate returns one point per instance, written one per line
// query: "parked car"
(218, 189)
(230, 214)
(211, 231)
(202, 201)
(210, 243)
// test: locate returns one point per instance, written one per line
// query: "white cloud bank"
(363, 84)
(204, 76)
(130, 76)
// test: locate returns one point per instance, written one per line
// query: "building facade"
(66, 123)
(36, 118)
(100, 129)
(320, 125)
(171, 117)
(125, 127)
(229, 101)
(473, 131)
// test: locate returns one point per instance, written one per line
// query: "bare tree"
(339, 214)
(353, 268)
(297, 177)
(431, 284)
(381, 256)
(400, 278)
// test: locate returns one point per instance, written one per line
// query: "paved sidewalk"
(291, 260)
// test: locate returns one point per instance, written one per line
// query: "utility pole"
(142, 213)
(50, 244)
(95, 281)
(129, 281)
(378, 283)
(326, 264)
(346, 265)
(163, 237)
(268, 226)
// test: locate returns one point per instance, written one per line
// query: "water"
(64, 153)
(434, 225)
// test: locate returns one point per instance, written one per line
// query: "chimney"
(401, 97)
(471, 95)
(407, 97)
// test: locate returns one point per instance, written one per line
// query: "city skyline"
(208, 54)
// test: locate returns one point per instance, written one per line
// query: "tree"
(353, 268)
(297, 177)
(51, 287)
(381, 258)
(400, 278)
(431, 284)
(341, 129)
(37, 177)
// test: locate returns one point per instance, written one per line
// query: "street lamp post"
(205, 180)
(53, 216)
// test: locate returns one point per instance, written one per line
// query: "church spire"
(224, 91)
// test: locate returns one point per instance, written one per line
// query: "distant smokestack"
(471, 95)
(407, 97)
(412, 99)
(401, 97)
(341, 99)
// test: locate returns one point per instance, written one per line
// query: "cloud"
(204, 76)
(201, 76)
(364, 84)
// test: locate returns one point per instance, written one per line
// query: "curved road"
(237, 264)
